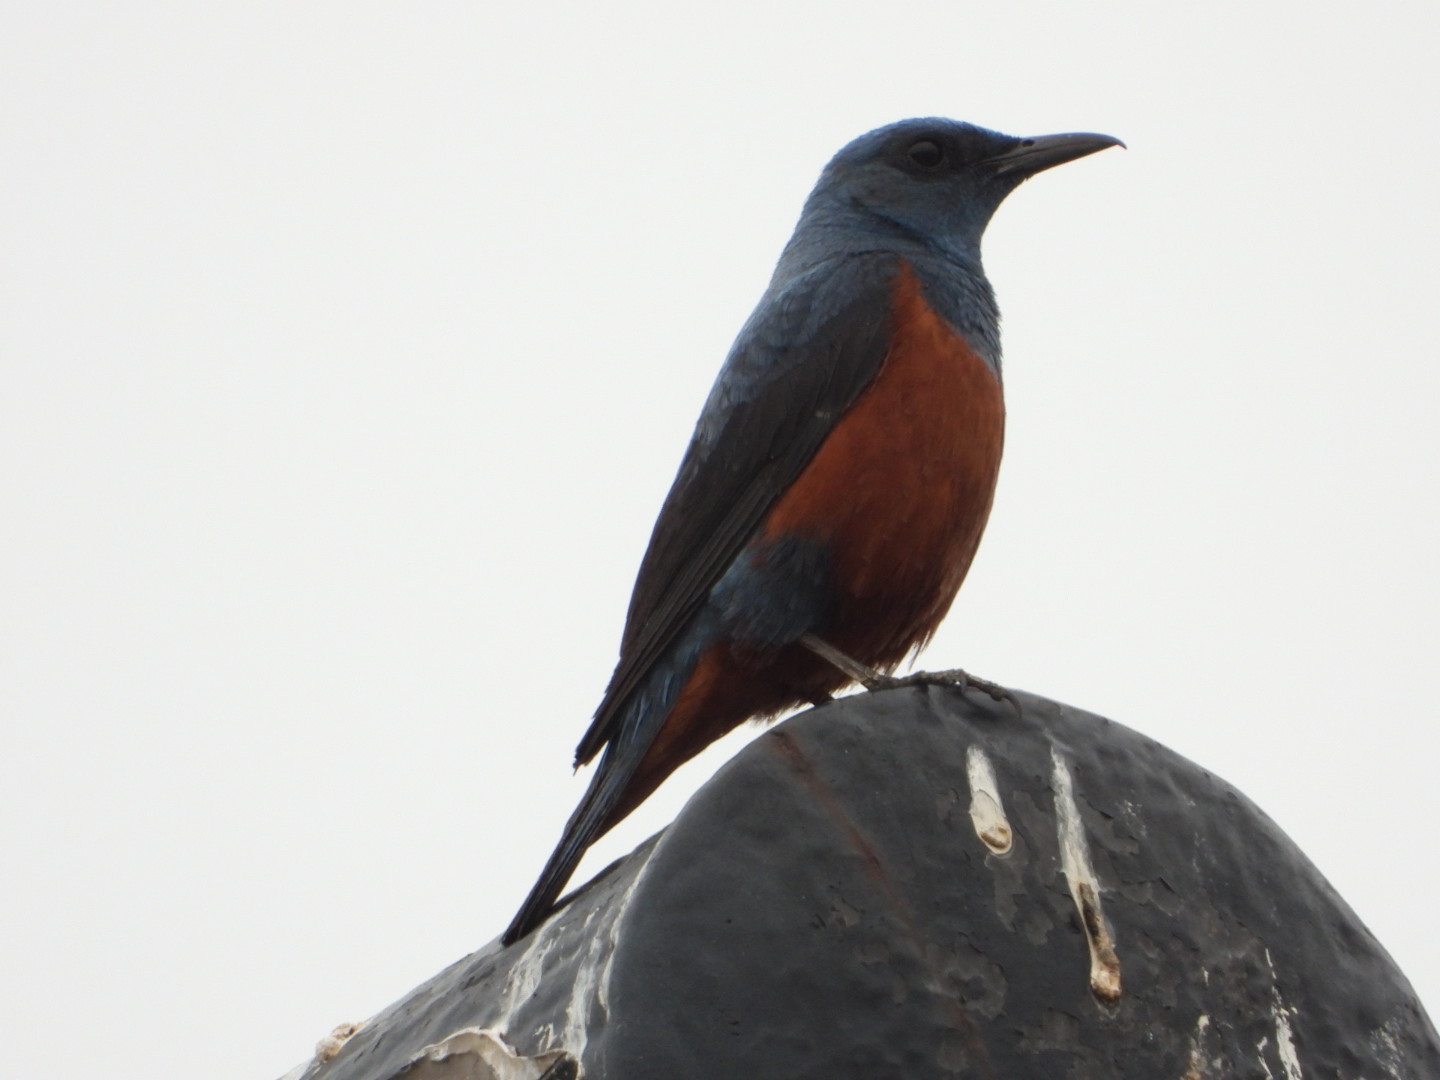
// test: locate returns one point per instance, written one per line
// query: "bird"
(840, 475)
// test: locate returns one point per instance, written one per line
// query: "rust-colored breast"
(902, 488)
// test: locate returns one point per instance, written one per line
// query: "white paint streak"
(1084, 885)
(621, 905)
(575, 1034)
(987, 812)
(589, 983)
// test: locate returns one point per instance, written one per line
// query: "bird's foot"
(871, 679)
(953, 677)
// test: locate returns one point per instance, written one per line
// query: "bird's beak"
(1046, 151)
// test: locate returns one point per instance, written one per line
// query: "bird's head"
(934, 181)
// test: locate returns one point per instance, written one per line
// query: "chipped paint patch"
(1084, 886)
(987, 812)
(482, 1054)
(589, 982)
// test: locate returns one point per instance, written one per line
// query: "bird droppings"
(1284, 1033)
(330, 1045)
(523, 979)
(1285, 1043)
(1200, 1066)
(587, 1005)
(1104, 961)
(987, 812)
(1084, 886)
(482, 1054)
(587, 985)
(587, 990)
(1386, 1045)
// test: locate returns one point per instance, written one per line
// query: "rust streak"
(800, 765)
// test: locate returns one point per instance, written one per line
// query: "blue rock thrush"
(841, 473)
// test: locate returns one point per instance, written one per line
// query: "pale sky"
(349, 350)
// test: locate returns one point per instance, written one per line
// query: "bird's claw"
(953, 677)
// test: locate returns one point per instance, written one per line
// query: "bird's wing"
(798, 365)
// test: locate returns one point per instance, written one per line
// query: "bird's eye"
(926, 153)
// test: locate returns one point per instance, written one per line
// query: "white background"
(349, 349)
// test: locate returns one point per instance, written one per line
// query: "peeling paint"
(1084, 886)
(589, 981)
(987, 812)
(483, 1054)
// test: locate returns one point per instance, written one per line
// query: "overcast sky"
(349, 350)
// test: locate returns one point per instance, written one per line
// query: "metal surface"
(833, 904)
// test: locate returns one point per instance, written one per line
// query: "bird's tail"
(619, 783)
(583, 828)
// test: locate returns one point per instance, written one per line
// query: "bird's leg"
(861, 673)
(871, 679)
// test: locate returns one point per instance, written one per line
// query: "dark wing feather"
(800, 363)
